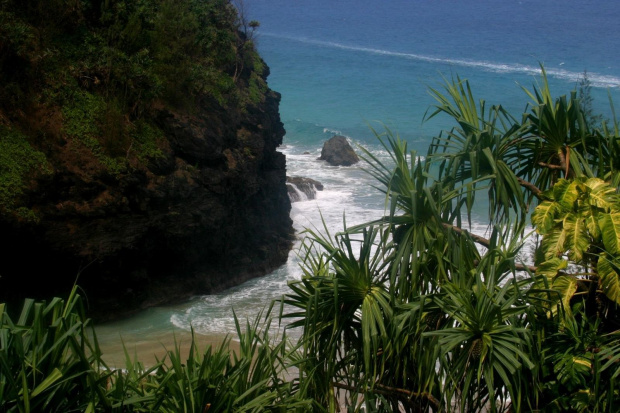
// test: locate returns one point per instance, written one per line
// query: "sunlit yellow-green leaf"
(566, 286)
(551, 267)
(47, 383)
(610, 230)
(602, 195)
(592, 223)
(565, 194)
(577, 240)
(583, 361)
(543, 216)
(553, 243)
(609, 275)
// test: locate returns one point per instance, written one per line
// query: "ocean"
(343, 66)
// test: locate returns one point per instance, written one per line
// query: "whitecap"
(596, 79)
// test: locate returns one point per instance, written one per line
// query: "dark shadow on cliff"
(138, 148)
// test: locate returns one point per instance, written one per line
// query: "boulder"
(338, 152)
(302, 189)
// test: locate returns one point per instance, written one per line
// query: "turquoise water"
(341, 65)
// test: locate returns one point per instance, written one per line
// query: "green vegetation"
(257, 89)
(146, 139)
(93, 74)
(50, 363)
(411, 311)
(18, 161)
(136, 51)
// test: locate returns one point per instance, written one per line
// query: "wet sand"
(148, 336)
(149, 348)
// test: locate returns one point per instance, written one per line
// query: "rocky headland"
(142, 166)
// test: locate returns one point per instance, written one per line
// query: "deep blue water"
(341, 64)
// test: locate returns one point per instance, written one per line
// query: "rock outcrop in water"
(337, 152)
(302, 189)
(150, 192)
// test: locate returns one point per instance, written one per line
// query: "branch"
(523, 267)
(389, 391)
(477, 238)
(518, 267)
(487, 244)
(550, 166)
(564, 160)
(533, 188)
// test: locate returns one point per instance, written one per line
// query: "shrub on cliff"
(91, 71)
(19, 162)
(136, 51)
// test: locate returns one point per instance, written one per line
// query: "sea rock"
(302, 189)
(337, 152)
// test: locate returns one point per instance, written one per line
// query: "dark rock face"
(209, 214)
(302, 189)
(338, 152)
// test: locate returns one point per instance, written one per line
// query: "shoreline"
(146, 339)
(150, 348)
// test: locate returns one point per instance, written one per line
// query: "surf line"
(597, 80)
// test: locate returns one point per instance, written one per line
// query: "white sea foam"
(298, 196)
(348, 193)
(596, 79)
(332, 131)
(344, 186)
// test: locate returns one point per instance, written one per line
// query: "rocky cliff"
(150, 180)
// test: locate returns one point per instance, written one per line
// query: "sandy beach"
(150, 346)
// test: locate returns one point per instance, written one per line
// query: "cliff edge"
(138, 150)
